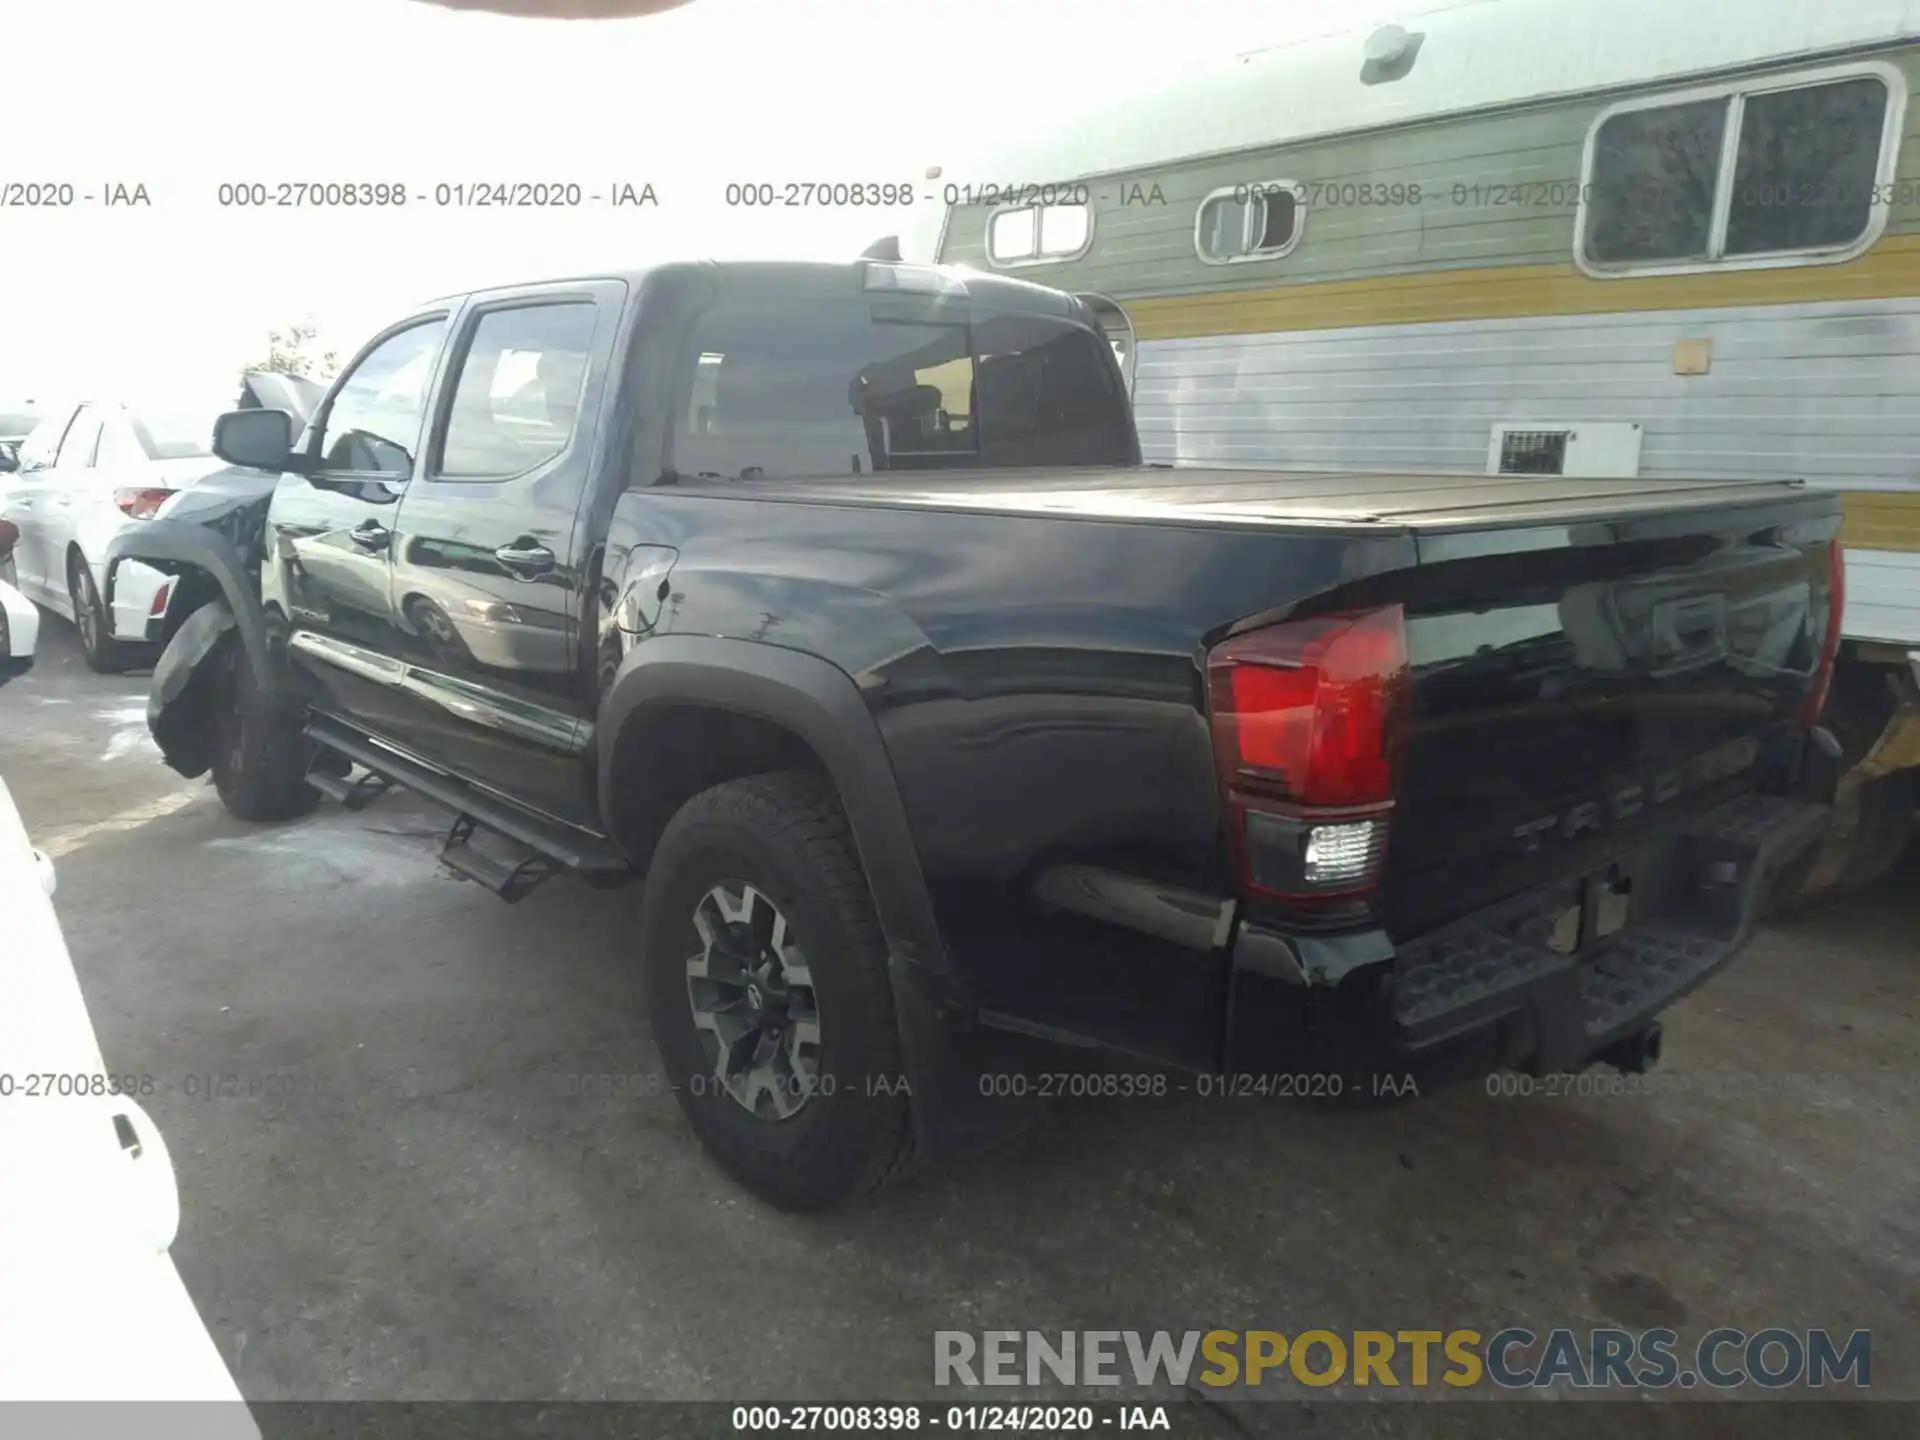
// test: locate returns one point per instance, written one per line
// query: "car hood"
(295, 394)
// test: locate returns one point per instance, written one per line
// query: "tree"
(290, 352)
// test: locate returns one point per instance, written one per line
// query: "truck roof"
(1002, 291)
(1337, 499)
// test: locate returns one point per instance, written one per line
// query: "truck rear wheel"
(261, 754)
(767, 988)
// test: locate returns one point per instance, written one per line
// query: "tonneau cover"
(1266, 497)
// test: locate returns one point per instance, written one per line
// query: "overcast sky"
(182, 96)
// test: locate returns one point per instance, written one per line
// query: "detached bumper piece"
(1694, 901)
(1549, 981)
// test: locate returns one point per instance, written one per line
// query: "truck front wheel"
(261, 754)
(767, 987)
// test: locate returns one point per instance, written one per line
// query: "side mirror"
(256, 439)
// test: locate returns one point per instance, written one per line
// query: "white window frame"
(1263, 187)
(1736, 92)
(1039, 257)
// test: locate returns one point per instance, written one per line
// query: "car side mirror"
(256, 439)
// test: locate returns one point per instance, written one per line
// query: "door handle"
(535, 558)
(370, 535)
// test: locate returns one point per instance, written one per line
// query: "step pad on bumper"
(1466, 969)
(1638, 970)
(1699, 895)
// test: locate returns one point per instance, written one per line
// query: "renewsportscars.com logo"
(1514, 1358)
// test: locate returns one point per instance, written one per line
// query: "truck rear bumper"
(1534, 983)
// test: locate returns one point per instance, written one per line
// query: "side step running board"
(542, 847)
(511, 877)
(353, 794)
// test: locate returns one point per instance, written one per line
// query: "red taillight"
(159, 606)
(1314, 707)
(141, 502)
(1308, 721)
(1816, 700)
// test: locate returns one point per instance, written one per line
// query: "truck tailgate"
(1568, 697)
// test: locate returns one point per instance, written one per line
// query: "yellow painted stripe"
(1877, 520)
(1891, 269)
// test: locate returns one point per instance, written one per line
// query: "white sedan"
(19, 621)
(93, 1307)
(88, 471)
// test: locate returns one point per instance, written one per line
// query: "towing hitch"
(1634, 1054)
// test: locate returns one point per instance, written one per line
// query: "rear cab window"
(775, 385)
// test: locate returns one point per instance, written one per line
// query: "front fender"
(180, 705)
(174, 544)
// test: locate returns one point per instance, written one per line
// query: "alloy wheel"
(85, 606)
(754, 1008)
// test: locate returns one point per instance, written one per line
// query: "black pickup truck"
(835, 603)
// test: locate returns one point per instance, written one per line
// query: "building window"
(1249, 222)
(1039, 234)
(1766, 173)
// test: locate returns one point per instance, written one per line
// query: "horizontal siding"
(1829, 393)
(1883, 597)
(1144, 250)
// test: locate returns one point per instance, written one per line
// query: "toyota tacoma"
(834, 604)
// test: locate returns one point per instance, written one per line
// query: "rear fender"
(180, 706)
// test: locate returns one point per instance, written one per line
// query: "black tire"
(783, 834)
(104, 654)
(260, 755)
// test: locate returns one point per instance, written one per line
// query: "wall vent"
(1605, 449)
(1533, 452)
